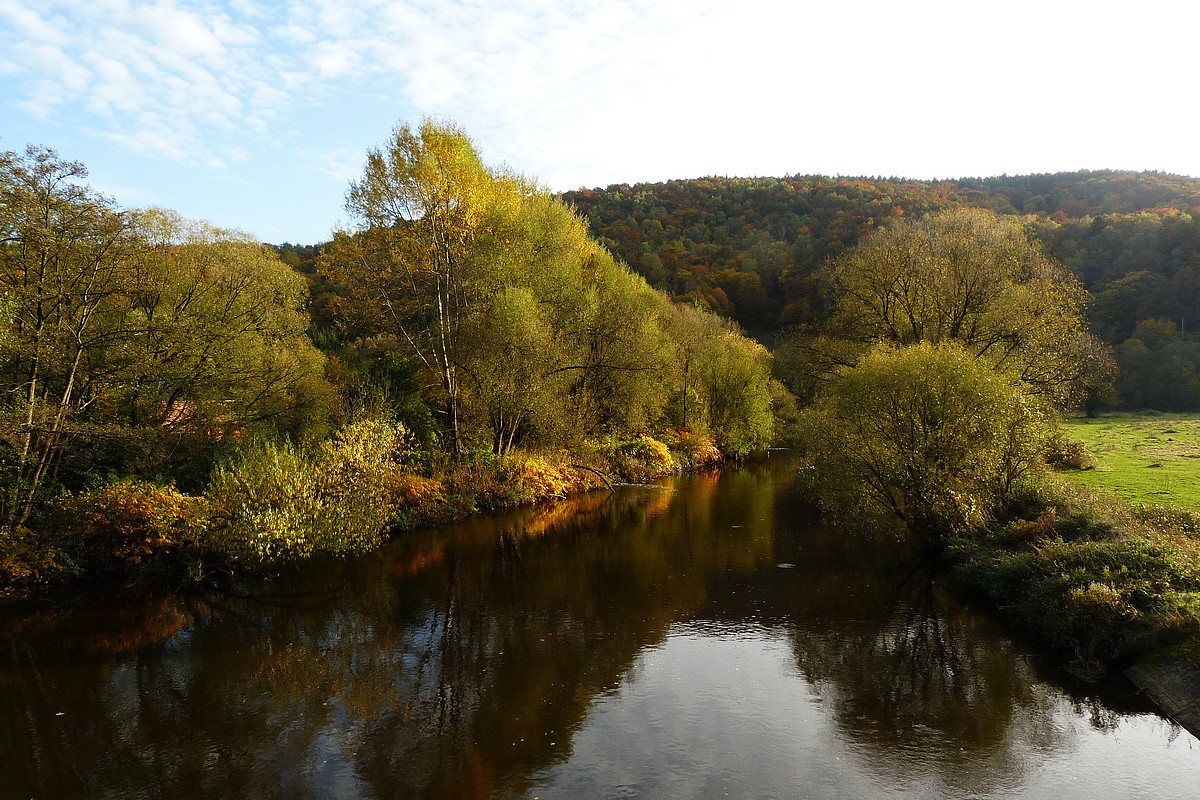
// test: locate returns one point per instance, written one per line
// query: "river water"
(700, 639)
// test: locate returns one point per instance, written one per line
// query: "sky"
(256, 114)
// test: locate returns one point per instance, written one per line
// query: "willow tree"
(927, 435)
(526, 329)
(512, 360)
(420, 205)
(720, 381)
(566, 342)
(215, 319)
(951, 339)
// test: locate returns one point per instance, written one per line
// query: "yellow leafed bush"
(279, 502)
(541, 478)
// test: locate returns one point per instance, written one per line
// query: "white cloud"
(180, 33)
(343, 164)
(580, 92)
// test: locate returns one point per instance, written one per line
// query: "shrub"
(927, 435)
(30, 561)
(543, 479)
(640, 459)
(695, 450)
(279, 502)
(1107, 597)
(1063, 452)
(129, 522)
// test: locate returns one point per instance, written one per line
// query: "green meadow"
(1153, 459)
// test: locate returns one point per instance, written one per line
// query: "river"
(701, 639)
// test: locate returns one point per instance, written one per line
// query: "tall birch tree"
(419, 205)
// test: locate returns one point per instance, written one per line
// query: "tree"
(735, 374)
(511, 361)
(527, 330)
(928, 435)
(619, 349)
(966, 276)
(125, 328)
(420, 203)
(720, 381)
(1160, 368)
(214, 318)
(64, 255)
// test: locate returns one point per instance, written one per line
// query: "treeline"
(754, 249)
(171, 392)
(134, 340)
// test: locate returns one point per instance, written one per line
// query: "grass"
(1142, 458)
(1103, 563)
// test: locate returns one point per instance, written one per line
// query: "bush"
(1096, 580)
(1063, 452)
(280, 502)
(543, 479)
(31, 561)
(127, 523)
(1093, 601)
(695, 451)
(640, 459)
(926, 435)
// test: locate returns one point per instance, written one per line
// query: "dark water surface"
(699, 640)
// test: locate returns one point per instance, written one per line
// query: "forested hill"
(750, 247)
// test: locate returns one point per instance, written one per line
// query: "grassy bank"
(277, 502)
(1100, 581)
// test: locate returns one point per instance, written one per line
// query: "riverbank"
(1149, 459)
(1100, 583)
(280, 504)
(1173, 683)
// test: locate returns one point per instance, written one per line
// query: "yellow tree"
(64, 257)
(420, 205)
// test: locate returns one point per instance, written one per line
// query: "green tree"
(1160, 368)
(927, 435)
(735, 373)
(619, 349)
(64, 258)
(215, 324)
(421, 204)
(511, 360)
(126, 328)
(526, 329)
(720, 381)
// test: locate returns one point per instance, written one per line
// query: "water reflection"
(480, 660)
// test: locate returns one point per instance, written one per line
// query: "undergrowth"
(1097, 580)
